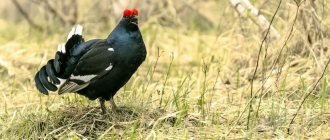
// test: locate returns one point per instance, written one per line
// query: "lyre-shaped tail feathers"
(50, 76)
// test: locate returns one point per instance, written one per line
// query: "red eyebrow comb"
(127, 13)
(135, 12)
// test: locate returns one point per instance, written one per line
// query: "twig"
(308, 94)
(278, 58)
(285, 44)
(281, 51)
(74, 18)
(213, 89)
(241, 6)
(165, 82)
(58, 14)
(257, 65)
(106, 131)
(26, 16)
(263, 79)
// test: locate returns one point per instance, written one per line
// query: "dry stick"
(308, 94)
(106, 131)
(256, 68)
(304, 99)
(285, 43)
(213, 89)
(166, 78)
(240, 116)
(278, 57)
(202, 97)
(74, 17)
(280, 54)
(281, 51)
(57, 13)
(263, 79)
(26, 16)
(241, 6)
(153, 70)
(144, 90)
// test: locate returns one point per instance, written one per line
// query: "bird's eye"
(127, 13)
(135, 12)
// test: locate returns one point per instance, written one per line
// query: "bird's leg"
(102, 104)
(113, 105)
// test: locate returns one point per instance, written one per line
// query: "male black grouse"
(97, 68)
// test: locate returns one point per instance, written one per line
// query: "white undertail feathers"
(76, 30)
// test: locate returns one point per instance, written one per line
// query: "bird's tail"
(52, 75)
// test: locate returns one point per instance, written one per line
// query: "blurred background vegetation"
(203, 58)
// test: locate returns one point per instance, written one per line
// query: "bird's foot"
(102, 105)
(104, 110)
(114, 107)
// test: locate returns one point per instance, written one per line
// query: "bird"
(97, 68)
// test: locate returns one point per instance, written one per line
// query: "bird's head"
(128, 23)
(131, 16)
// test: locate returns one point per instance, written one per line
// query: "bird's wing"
(92, 65)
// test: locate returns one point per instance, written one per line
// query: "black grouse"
(96, 68)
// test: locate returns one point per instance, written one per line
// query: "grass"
(194, 84)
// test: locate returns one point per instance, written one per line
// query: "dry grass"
(195, 83)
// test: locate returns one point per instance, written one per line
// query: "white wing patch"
(110, 49)
(71, 87)
(62, 81)
(109, 67)
(85, 78)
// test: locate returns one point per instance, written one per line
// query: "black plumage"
(97, 68)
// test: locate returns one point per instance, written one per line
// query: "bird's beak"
(134, 20)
